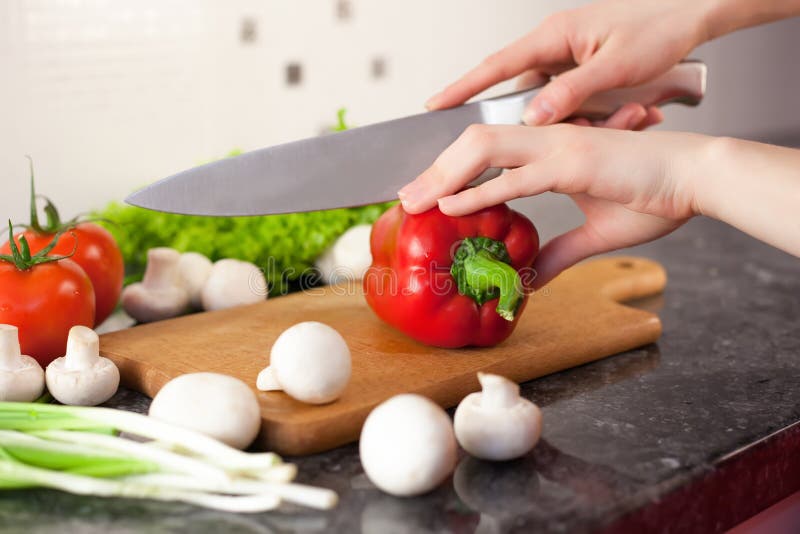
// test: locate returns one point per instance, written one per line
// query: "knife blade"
(370, 164)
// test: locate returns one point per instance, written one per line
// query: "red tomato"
(44, 302)
(97, 253)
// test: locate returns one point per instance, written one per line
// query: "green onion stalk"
(78, 450)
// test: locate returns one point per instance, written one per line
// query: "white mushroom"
(349, 256)
(407, 445)
(160, 295)
(194, 269)
(497, 424)
(217, 405)
(310, 361)
(233, 283)
(21, 377)
(82, 377)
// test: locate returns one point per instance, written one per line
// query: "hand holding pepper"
(452, 281)
(632, 187)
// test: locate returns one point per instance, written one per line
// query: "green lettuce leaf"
(285, 246)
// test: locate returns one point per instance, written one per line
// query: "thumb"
(565, 251)
(566, 92)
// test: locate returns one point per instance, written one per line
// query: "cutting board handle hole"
(625, 264)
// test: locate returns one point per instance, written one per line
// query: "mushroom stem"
(498, 392)
(161, 294)
(9, 348)
(83, 348)
(266, 380)
(161, 271)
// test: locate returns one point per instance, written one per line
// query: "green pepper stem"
(484, 272)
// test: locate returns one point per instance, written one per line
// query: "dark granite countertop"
(691, 433)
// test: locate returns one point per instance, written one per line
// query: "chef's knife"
(369, 164)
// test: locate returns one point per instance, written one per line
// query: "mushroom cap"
(82, 377)
(311, 362)
(24, 383)
(407, 445)
(21, 377)
(89, 386)
(497, 433)
(148, 305)
(214, 404)
(194, 269)
(233, 283)
(349, 257)
(160, 294)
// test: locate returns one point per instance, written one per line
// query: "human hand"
(613, 43)
(632, 187)
(629, 117)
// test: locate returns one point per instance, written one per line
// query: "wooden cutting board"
(575, 319)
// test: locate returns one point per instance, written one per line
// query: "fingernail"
(540, 113)
(408, 204)
(404, 192)
(432, 101)
(410, 193)
(445, 203)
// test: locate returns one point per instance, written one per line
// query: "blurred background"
(109, 95)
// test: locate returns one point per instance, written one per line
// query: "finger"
(579, 121)
(478, 148)
(654, 116)
(529, 180)
(566, 92)
(565, 251)
(628, 117)
(531, 78)
(537, 48)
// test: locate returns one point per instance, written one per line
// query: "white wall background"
(108, 95)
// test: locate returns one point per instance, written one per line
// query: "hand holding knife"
(370, 164)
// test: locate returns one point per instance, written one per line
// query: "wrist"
(709, 17)
(709, 169)
(720, 17)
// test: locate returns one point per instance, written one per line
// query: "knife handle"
(685, 83)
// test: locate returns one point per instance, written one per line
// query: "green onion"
(78, 450)
(164, 458)
(34, 417)
(74, 458)
(296, 493)
(13, 471)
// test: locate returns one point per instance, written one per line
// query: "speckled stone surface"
(619, 434)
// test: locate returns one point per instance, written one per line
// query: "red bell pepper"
(451, 281)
